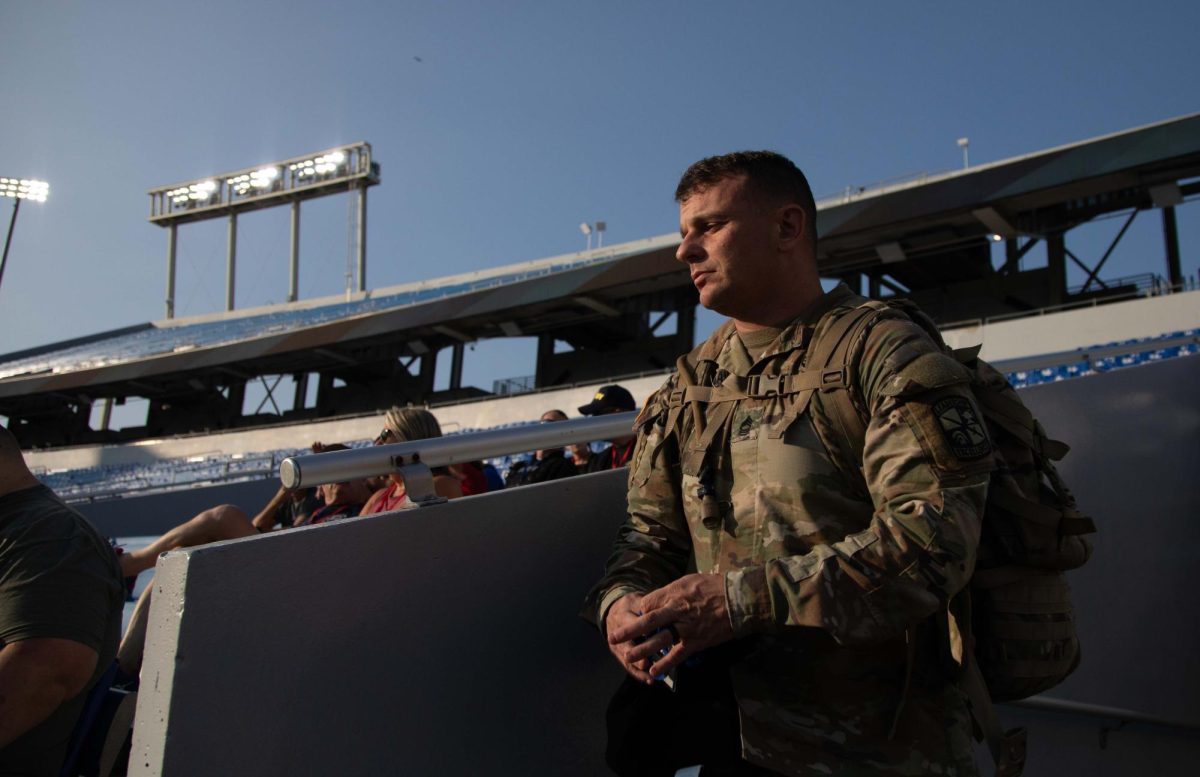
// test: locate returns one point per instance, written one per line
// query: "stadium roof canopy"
(928, 237)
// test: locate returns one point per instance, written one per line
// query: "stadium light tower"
(333, 171)
(19, 189)
(964, 144)
(586, 229)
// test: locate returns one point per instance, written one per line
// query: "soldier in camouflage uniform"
(821, 593)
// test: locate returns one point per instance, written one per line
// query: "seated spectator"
(581, 455)
(471, 478)
(294, 507)
(495, 482)
(404, 424)
(229, 522)
(341, 500)
(610, 400)
(60, 615)
(547, 464)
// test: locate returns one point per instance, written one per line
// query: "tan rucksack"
(1017, 614)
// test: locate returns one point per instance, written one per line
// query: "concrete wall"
(445, 640)
(441, 640)
(1133, 465)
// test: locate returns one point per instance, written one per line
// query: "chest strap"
(759, 387)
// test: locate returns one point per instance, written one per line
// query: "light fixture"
(254, 182)
(598, 228)
(319, 166)
(24, 189)
(19, 189)
(964, 144)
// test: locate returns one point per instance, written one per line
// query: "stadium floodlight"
(964, 144)
(24, 189)
(19, 189)
(600, 227)
(262, 179)
(312, 175)
(586, 229)
(287, 182)
(319, 167)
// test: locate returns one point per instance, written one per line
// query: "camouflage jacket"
(836, 584)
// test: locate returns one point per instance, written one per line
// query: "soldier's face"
(727, 243)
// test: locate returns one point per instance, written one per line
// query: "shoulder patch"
(962, 427)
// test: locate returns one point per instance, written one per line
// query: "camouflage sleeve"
(653, 547)
(926, 462)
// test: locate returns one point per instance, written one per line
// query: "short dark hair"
(769, 174)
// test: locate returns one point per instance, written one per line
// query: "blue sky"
(501, 126)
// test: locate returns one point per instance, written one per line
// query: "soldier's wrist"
(611, 597)
(747, 601)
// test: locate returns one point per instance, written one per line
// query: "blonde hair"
(412, 423)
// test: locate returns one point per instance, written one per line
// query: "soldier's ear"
(792, 225)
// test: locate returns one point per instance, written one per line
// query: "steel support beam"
(294, 274)
(1171, 237)
(300, 398)
(1092, 274)
(1056, 263)
(231, 261)
(1013, 254)
(362, 237)
(172, 235)
(456, 366)
(661, 320)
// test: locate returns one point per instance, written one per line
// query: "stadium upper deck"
(929, 239)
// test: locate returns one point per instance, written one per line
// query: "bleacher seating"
(1132, 358)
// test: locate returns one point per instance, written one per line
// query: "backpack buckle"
(675, 398)
(764, 386)
(831, 379)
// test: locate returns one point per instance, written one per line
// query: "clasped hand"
(682, 618)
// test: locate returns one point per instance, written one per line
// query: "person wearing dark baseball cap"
(609, 400)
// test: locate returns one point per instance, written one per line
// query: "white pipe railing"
(338, 466)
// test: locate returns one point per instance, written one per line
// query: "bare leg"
(224, 522)
(129, 654)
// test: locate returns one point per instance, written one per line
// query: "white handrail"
(338, 466)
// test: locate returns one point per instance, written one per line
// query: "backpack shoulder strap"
(831, 352)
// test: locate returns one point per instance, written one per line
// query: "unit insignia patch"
(962, 427)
